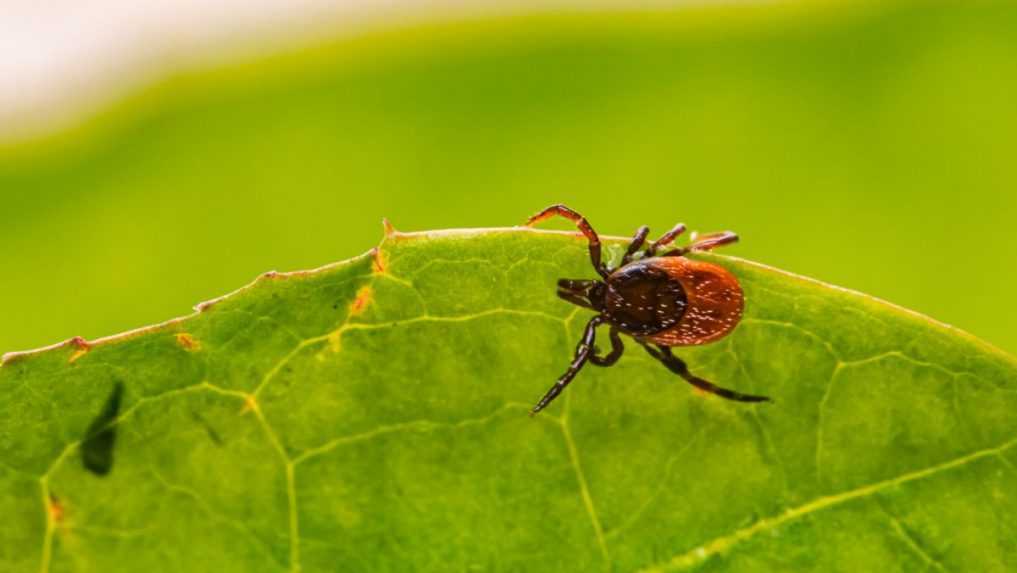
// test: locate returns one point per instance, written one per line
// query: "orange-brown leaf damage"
(363, 298)
(378, 262)
(56, 509)
(188, 342)
(81, 348)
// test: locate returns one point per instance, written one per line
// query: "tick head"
(585, 293)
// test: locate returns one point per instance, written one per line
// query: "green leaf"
(372, 416)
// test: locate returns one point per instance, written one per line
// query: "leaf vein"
(911, 542)
(699, 555)
(411, 426)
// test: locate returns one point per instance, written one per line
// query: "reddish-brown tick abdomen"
(714, 302)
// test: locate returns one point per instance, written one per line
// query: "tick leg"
(636, 244)
(678, 366)
(665, 239)
(583, 351)
(706, 243)
(616, 351)
(584, 226)
(713, 240)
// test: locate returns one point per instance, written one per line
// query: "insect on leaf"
(372, 416)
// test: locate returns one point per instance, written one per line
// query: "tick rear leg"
(665, 239)
(636, 244)
(713, 240)
(583, 351)
(617, 348)
(678, 366)
(706, 242)
(584, 227)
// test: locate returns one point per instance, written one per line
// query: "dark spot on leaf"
(97, 448)
(209, 430)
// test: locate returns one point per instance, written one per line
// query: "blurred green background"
(868, 145)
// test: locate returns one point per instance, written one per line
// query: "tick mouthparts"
(574, 285)
(567, 287)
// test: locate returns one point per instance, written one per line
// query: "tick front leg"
(617, 348)
(584, 227)
(678, 366)
(583, 351)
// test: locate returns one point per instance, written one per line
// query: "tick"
(660, 300)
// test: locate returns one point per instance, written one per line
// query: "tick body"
(660, 300)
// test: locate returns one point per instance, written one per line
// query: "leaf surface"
(372, 416)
